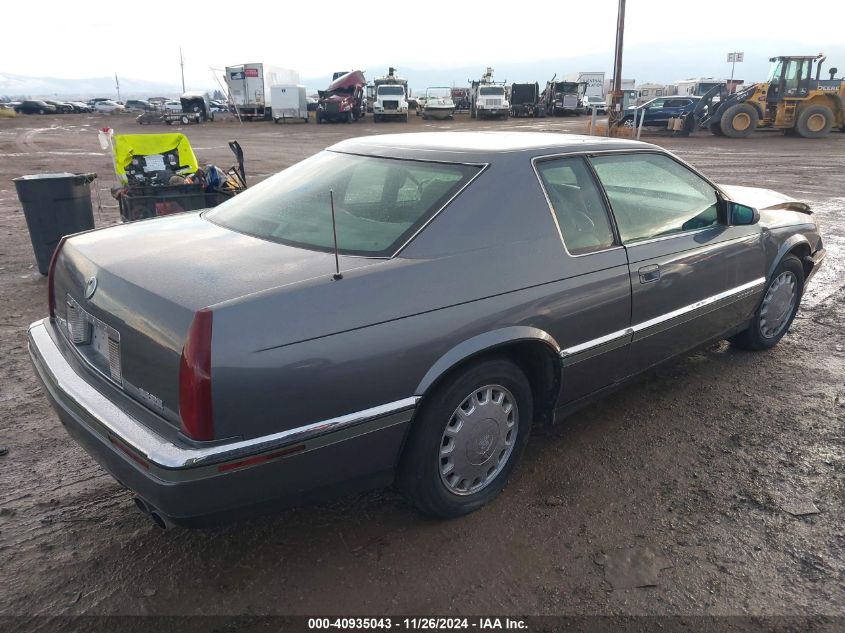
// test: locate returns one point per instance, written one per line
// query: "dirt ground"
(688, 480)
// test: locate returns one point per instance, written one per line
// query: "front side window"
(578, 205)
(652, 195)
(379, 202)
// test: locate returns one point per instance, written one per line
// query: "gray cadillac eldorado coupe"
(213, 361)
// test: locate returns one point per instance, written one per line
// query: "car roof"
(479, 146)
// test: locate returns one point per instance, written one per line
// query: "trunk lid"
(150, 278)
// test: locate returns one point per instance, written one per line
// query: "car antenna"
(337, 274)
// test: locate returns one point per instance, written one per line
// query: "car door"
(592, 311)
(674, 107)
(693, 277)
(654, 112)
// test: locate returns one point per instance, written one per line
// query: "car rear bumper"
(184, 482)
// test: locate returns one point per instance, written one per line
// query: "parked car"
(171, 105)
(62, 107)
(138, 105)
(35, 106)
(78, 106)
(588, 103)
(483, 281)
(108, 107)
(659, 111)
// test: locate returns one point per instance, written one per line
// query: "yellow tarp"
(128, 145)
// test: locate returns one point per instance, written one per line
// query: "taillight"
(195, 407)
(51, 292)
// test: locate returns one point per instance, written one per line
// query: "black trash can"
(54, 205)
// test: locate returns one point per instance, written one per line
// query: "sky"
(98, 38)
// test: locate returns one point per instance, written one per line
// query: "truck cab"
(561, 98)
(391, 102)
(490, 100)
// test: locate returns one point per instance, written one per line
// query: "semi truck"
(525, 100)
(390, 97)
(344, 99)
(561, 98)
(488, 98)
(250, 85)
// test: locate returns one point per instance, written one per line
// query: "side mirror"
(741, 215)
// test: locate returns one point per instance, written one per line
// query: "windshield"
(379, 203)
(492, 91)
(566, 88)
(595, 99)
(438, 93)
(391, 90)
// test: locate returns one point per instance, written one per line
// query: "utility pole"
(615, 106)
(182, 64)
(117, 85)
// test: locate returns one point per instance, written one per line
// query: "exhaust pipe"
(141, 505)
(159, 519)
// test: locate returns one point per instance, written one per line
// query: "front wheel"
(777, 309)
(739, 120)
(466, 439)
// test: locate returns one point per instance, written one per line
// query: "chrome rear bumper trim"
(106, 419)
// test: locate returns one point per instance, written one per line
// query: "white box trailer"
(289, 102)
(594, 81)
(249, 87)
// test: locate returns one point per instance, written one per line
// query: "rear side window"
(652, 195)
(578, 205)
(379, 202)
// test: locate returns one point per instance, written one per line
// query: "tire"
(350, 118)
(739, 120)
(814, 121)
(41, 111)
(491, 433)
(716, 129)
(184, 120)
(770, 323)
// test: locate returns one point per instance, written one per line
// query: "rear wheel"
(777, 309)
(814, 122)
(466, 439)
(739, 120)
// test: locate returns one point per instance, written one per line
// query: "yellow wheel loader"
(793, 99)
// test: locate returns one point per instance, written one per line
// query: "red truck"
(344, 99)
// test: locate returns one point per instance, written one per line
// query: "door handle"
(649, 274)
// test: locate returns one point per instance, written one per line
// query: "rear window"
(379, 202)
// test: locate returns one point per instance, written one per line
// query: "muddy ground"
(690, 472)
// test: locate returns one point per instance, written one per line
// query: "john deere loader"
(793, 99)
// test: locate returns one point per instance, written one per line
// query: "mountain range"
(658, 63)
